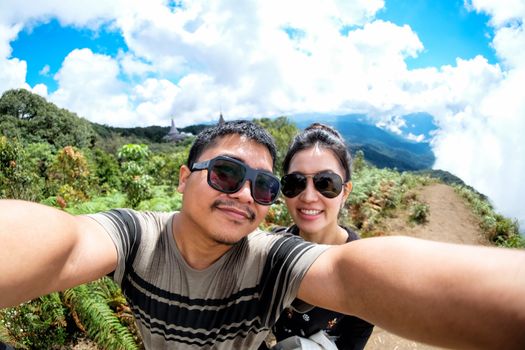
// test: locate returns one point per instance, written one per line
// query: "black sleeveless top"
(349, 332)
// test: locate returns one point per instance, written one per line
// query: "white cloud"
(88, 85)
(12, 74)
(134, 67)
(416, 138)
(393, 124)
(154, 100)
(12, 70)
(90, 13)
(482, 142)
(45, 70)
(509, 43)
(40, 89)
(501, 11)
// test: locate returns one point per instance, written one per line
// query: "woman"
(315, 187)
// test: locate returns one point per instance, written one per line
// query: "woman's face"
(311, 211)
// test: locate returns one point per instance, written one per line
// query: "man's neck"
(198, 251)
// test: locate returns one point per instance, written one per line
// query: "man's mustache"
(248, 212)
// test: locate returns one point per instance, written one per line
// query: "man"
(198, 279)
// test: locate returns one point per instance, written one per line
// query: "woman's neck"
(333, 236)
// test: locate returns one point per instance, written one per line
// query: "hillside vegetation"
(52, 156)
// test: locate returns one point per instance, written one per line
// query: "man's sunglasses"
(228, 175)
(327, 183)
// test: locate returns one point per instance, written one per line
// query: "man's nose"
(244, 194)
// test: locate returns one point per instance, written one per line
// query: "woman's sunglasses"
(326, 183)
(228, 175)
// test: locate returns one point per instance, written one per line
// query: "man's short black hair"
(208, 138)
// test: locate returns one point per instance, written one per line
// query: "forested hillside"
(54, 157)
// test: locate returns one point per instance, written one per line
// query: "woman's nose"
(309, 194)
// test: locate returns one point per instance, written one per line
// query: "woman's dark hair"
(208, 138)
(325, 136)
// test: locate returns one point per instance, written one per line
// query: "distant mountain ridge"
(382, 148)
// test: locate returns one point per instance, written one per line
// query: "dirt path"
(449, 221)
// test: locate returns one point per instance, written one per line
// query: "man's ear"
(184, 174)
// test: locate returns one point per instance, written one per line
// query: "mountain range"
(382, 147)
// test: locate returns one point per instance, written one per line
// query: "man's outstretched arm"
(444, 294)
(43, 249)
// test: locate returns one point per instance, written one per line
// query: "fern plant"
(88, 304)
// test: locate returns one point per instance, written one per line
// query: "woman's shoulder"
(352, 235)
(285, 229)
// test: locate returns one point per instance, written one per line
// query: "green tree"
(22, 104)
(358, 161)
(137, 183)
(9, 127)
(105, 172)
(16, 181)
(165, 167)
(33, 119)
(283, 131)
(69, 175)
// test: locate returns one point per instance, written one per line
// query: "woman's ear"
(347, 188)
(184, 174)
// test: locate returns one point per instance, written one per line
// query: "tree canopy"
(31, 119)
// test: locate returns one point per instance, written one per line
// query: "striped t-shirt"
(232, 304)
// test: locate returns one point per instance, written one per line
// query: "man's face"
(220, 217)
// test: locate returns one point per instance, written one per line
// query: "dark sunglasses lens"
(328, 184)
(293, 184)
(265, 189)
(226, 176)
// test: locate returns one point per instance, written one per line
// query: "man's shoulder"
(128, 212)
(133, 221)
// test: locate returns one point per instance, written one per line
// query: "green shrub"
(499, 229)
(277, 216)
(69, 175)
(376, 192)
(165, 203)
(136, 182)
(513, 241)
(96, 204)
(419, 212)
(37, 324)
(16, 178)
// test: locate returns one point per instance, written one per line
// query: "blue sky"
(48, 44)
(445, 27)
(139, 63)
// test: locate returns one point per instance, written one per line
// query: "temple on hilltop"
(175, 135)
(221, 119)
